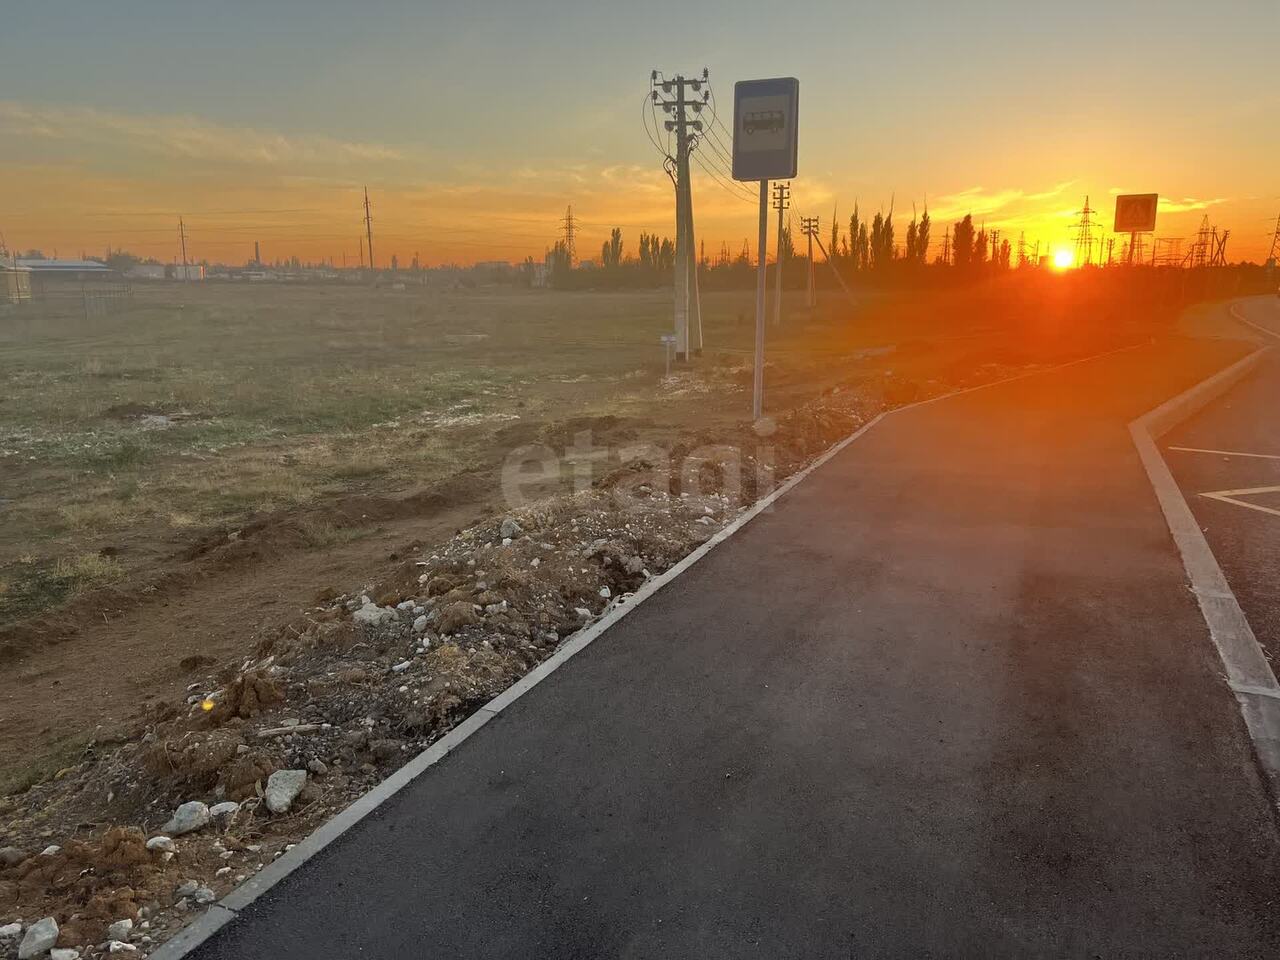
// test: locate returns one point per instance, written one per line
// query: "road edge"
(1248, 673)
(228, 908)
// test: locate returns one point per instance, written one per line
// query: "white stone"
(372, 615)
(606, 592)
(40, 938)
(283, 787)
(420, 625)
(52, 850)
(582, 612)
(119, 946)
(510, 529)
(120, 930)
(192, 815)
(402, 666)
(64, 953)
(204, 895)
(10, 931)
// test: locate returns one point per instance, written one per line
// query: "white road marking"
(1230, 496)
(1228, 453)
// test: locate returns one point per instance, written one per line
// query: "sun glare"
(1063, 259)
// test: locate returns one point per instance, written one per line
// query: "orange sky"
(474, 139)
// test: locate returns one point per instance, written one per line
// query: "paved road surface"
(952, 698)
(1242, 427)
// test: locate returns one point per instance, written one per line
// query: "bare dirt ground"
(359, 622)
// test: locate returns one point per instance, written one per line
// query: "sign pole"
(757, 401)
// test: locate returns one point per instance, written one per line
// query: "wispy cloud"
(183, 137)
(1169, 205)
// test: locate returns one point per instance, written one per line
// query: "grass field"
(202, 404)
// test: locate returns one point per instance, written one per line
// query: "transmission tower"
(1273, 258)
(1201, 251)
(946, 246)
(810, 227)
(1218, 258)
(570, 236)
(678, 97)
(1084, 235)
(368, 226)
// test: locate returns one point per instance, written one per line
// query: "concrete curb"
(1248, 672)
(227, 909)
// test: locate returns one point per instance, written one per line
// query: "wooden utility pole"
(368, 226)
(810, 227)
(182, 238)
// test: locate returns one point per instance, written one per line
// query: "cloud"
(1169, 205)
(183, 137)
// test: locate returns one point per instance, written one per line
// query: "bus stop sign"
(765, 126)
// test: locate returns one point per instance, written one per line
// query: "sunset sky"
(476, 124)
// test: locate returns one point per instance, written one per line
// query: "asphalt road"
(951, 698)
(1233, 445)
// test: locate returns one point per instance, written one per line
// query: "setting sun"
(1063, 259)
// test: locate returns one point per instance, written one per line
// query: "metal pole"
(777, 287)
(757, 402)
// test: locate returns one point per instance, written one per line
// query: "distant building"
(146, 271)
(15, 283)
(191, 271)
(66, 269)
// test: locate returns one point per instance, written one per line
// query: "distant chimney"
(257, 256)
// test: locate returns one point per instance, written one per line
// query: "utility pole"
(368, 226)
(670, 94)
(810, 227)
(361, 239)
(781, 201)
(182, 237)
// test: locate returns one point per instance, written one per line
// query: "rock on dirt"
(373, 615)
(120, 930)
(11, 856)
(40, 938)
(510, 529)
(221, 813)
(283, 787)
(162, 844)
(190, 816)
(64, 953)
